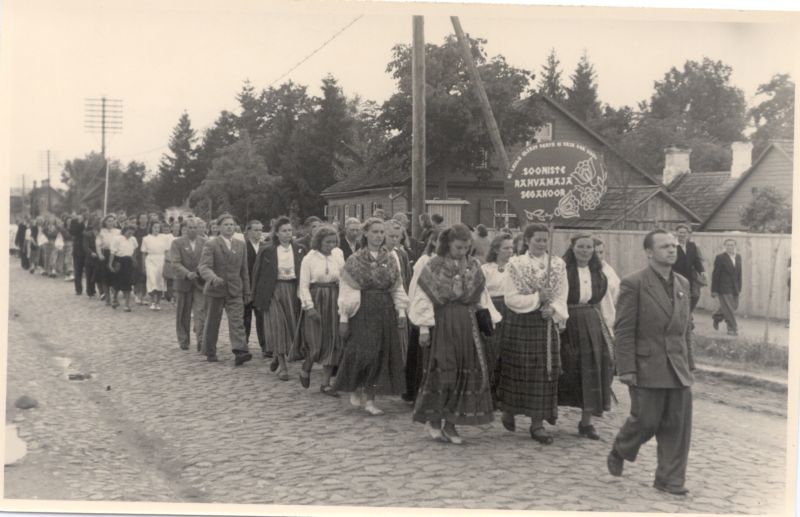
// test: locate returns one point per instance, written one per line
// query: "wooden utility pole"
(480, 92)
(418, 125)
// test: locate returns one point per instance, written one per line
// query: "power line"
(354, 20)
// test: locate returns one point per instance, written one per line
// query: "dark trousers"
(77, 266)
(234, 307)
(728, 303)
(248, 322)
(665, 413)
(413, 363)
(190, 304)
(90, 268)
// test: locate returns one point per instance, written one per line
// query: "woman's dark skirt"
(371, 355)
(493, 347)
(280, 321)
(587, 368)
(455, 386)
(105, 275)
(524, 387)
(122, 280)
(318, 340)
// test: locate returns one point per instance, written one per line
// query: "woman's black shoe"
(540, 436)
(508, 423)
(588, 431)
(305, 381)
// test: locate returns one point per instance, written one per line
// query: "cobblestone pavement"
(155, 423)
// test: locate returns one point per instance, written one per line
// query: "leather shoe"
(508, 423)
(242, 358)
(273, 366)
(615, 463)
(588, 431)
(680, 490)
(541, 436)
(305, 381)
(716, 324)
(212, 359)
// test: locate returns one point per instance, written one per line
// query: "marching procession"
(457, 325)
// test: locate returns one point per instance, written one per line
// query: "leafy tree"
(774, 116)
(582, 100)
(550, 80)
(215, 139)
(177, 168)
(369, 149)
(80, 175)
(614, 123)
(127, 188)
(768, 211)
(456, 134)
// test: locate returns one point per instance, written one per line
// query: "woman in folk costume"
(586, 363)
(495, 270)
(455, 387)
(529, 372)
(372, 305)
(275, 292)
(416, 356)
(318, 292)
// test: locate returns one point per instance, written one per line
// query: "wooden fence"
(762, 255)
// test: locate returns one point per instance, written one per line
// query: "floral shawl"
(444, 280)
(530, 275)
(364, 272)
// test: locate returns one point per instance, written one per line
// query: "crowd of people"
(458, 325)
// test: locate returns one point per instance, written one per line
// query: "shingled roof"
(702, 191)
(612, 207)
(374, 179)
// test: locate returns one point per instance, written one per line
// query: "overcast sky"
(164, 58)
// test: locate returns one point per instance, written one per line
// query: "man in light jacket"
(188, 284)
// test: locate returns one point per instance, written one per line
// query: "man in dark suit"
(654, 358)
(223, 266)
(188, 285)
(309, 227)
(76, 229)
(689, 263)
(726, 284)
(253, 238)
(349, 239)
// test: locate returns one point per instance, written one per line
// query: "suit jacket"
(688, 263)
(185, 261)
(217, 261)
(265, 274)
(405, 266)
(726, 278)
(653, 336)
(345, 247)
(252, 252)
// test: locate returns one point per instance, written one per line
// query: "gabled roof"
(376, 179)
(702, 191)
(783, 147)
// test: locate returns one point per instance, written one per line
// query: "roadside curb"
(743, 378)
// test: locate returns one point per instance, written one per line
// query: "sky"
(163, 58)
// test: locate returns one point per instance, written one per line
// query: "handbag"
(484, 318)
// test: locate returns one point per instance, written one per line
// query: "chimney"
(676, 162)
(742, 158)
(34, 184)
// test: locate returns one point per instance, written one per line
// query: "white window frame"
(543, 133)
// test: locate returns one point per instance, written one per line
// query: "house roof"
(612, 207)
(374, 179)
(702, 191)
(784, 147)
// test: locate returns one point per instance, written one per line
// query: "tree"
(456, 135)
(220, 135)
(79, 175)
(177, 167)
(768, 211)
(614, 123)
(582, 100)
(550, 81)
(127, 188)
(773, 117)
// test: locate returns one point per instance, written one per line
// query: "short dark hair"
(311, 220)
(683, 225)
(648, 239)
(320, 235)
(481, 230)
(457, 232)
(532, 229)
(437, 219)
(224, 217)
(726, 241)
(280, 221)
(366, 226)
(251, 223)
(495, 246)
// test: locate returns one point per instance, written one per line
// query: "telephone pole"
(102, 116)
(48, 157)
(418, 125)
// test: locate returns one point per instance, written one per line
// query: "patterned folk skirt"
(371, 355)
(587, 368)
(280, 322)
(524, 387)
(122, 279)
(318, 340)
(455, 380)
(493, 347)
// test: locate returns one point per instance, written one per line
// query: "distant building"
(636, 200)
(46, 199)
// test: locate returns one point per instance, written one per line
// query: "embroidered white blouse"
(608, 304)
(350, 298)
(585, 279)
(318, 268)
(124, 247)
(419, 265)
(286, 263)
(526, 271)
(495, 279)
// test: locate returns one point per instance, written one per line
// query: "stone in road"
(155, 423)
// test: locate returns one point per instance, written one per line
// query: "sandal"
(329, 391)
(541, 437)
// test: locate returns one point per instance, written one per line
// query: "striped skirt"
(371, 355)
(280, 322)
(455, 380)
(318, 340)
(524, 387)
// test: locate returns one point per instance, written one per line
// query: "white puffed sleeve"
(560, 293)
(607, 305)
(486, 303)
(304, 286)
(421, 311)
(516, 301)
(418, 267)
(400, 297)
(349, 299)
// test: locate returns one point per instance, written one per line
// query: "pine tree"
(177, 166)
(550, 83)
(582, 100)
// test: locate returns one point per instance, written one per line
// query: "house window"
(360, 211)
(544, 133)
(482, 159)
(375, 206)
(502, 216)
(346, 210)
(325, 211)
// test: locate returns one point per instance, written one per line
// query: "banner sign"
(556, 179)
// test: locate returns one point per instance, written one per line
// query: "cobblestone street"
(156, 423)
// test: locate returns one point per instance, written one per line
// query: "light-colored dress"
(156, 247)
